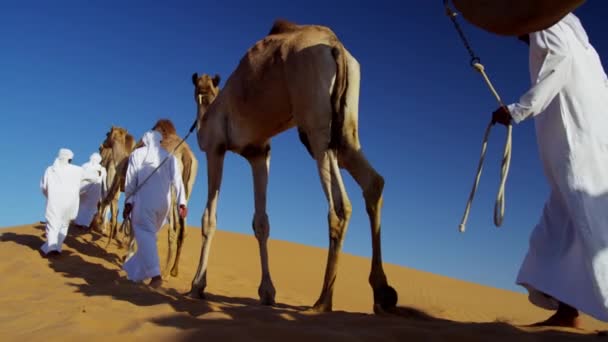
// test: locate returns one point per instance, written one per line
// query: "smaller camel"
(115, 151)
(188, 165)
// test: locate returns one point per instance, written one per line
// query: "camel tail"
(339, 95)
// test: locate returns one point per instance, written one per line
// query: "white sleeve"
(178, 183)
(131, 181)
(553, 75)
(44, 183)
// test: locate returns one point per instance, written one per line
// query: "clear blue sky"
(68, 72)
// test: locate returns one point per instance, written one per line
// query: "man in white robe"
(91, 190)
(60, 184)
(149, 204)
(566, 266)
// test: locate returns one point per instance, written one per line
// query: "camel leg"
(113, 218)
(181, 234)
(339, 215)
(176, 233)
(372, 184)
(171, 236)
(260, 164)
(215, 165)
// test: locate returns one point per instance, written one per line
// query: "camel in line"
(114, 151)
(297, 76)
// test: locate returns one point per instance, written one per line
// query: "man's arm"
(131, 181)
(552, 77)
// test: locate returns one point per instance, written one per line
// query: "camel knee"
(261, 226)
(347, 210)
(208, 226)
(337, 227)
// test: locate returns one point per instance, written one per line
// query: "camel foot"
(197, 293)
(386, 298)
(320, 307)
(267, 293)
(267, 300)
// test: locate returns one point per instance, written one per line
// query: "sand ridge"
(84, 294)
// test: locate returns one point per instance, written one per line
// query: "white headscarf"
(151, 140)
(574, 23)
(63, 158)
(94, 162)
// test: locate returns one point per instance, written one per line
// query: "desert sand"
(83, 295)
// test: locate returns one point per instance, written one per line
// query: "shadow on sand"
(225, 317)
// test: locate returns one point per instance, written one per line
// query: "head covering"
(94, 162)
(151, 140)
(63, 158)
(95, 158)
(574, 23)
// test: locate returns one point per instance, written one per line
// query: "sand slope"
(84, 295)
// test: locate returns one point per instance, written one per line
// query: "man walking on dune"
(148, 204)
(566, 267)
(60, 184)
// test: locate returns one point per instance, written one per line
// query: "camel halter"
(499, 207)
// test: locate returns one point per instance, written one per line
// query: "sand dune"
(83, 294)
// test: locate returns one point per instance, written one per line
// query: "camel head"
(165, 127)
(114, 136)
(206, 89)
(119, 138)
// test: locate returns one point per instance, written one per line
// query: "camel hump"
(283, 26)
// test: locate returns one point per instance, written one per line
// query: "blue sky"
(70, 71)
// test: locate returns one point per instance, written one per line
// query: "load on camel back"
(514, 17)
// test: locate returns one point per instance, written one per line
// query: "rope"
(499, 207)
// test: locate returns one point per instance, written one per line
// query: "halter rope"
(499, 207)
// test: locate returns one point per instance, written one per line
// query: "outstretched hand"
(183, 211)
(127, 210)
(501, 116)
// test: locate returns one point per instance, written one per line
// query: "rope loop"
(499, 207)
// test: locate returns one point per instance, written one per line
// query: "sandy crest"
(83, 295)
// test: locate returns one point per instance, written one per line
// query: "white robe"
(61, 185)
(90, 192)
(151, 203)
(568, 249)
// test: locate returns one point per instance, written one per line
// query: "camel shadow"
(225, 317)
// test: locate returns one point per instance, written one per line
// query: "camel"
(188, 165)
(296, 76)
(114, 152)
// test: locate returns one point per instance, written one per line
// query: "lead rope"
(499, 207)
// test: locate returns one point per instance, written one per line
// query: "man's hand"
(501, 116)
(183, 211)
(127, 210)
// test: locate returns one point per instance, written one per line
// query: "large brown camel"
(297, 76)
(114, 152)
(188, 165)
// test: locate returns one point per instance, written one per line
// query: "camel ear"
(194, 78)
(216, 80)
